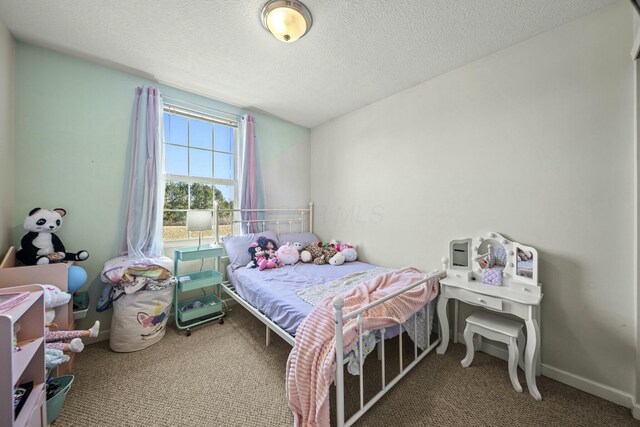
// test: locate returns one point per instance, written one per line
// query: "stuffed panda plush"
(40, 245)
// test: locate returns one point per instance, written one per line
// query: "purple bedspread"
(273, 292)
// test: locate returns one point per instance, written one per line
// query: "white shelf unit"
(26, 365)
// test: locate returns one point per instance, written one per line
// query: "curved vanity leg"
(468, 339)
(521, 341)
(514, 356)
(444, 324)
(530, 357)
(455, 321)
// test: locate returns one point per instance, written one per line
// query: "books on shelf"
(12, 299)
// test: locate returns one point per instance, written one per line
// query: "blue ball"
(77, 276)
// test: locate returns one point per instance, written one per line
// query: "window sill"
(173, 244)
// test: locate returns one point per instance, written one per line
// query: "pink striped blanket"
(311, 364)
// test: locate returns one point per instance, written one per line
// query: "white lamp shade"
(199, 220)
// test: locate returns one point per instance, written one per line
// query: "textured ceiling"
(358, 51)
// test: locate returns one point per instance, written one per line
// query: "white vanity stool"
(500, 329)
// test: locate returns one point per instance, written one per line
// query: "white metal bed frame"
(340, 317)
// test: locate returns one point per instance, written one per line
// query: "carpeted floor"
(224, 375)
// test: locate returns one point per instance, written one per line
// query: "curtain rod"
(196, 115)
(182, 101)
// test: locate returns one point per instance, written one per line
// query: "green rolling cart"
(207, 307)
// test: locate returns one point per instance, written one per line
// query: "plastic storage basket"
(209, 305)
(55, 402)
(80, 305)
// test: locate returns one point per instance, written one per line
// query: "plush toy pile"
(333, 253)
(265, 253)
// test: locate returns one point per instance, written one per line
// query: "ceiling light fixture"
(287, 20)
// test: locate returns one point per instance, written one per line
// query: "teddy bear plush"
(40, 245)
(317, 252)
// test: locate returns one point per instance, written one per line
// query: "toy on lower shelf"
(54, 338)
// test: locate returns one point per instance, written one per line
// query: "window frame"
(188, 179)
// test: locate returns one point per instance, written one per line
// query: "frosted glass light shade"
(199, 220)
(287, 20)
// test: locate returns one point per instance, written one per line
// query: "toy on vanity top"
(288, 254)
(492, 264)
(40, 245)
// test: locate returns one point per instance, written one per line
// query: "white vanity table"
(519, 294)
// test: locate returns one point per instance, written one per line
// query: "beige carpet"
(224, 375)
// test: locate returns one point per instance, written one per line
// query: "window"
(200, 168)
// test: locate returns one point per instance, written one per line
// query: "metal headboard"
(278, 220)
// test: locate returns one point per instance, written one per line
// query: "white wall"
(7, 144)
(535, 142)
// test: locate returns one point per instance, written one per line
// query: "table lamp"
(199, 221)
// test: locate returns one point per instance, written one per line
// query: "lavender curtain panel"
(143, 230)
(251, 187)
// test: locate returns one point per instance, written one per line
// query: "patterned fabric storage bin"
(492, 275)
(139, 319)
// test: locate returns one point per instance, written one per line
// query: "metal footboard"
(341, 318)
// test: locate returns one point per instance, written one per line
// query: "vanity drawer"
(474, 298)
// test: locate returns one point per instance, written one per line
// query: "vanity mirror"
(491, 253)
(492, 259)
(460, 254)
(526, 260)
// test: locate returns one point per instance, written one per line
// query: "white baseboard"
(603, 391)
(102, 336)
(608, 393)
(635, 411)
